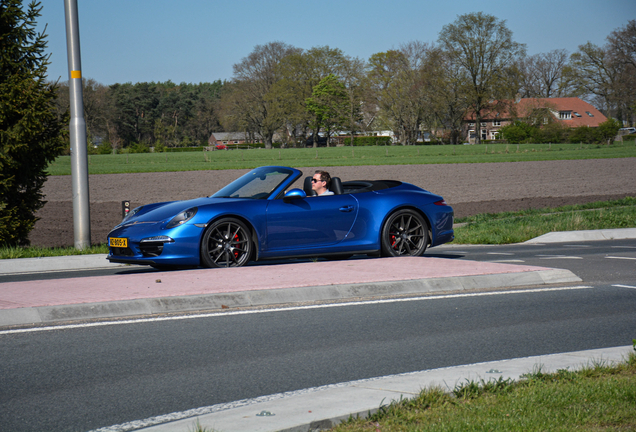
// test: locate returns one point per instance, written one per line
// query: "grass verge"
(516, 227)
(40, 252)
(596, 398)
(343, 156)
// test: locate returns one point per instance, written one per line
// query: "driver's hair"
(324, 176)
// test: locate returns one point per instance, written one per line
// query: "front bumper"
(149, 244)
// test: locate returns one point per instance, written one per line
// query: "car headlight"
(182, 217)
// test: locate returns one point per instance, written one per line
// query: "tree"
(328, 104)
(482, 45)
(354, 83)
(96, 107)
(623, 45)
(31, 135)
(599, 72)
(300, 73)
(448, 82)
(623, 42)
(251, 99)
(548, 75)
(402, 89)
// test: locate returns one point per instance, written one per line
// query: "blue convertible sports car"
(256, 217)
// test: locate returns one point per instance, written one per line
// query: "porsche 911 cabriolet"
(261, 216)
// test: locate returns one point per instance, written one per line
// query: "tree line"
(284, 93)
(144, 115)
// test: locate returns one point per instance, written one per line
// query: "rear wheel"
(405, 233)
(226, 243)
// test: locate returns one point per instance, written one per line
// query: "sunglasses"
(313, 180)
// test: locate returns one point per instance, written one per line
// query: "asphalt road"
(593, 261)
(89, 377)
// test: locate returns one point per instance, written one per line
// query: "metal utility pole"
(79, 159)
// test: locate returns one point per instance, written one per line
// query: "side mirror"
(294, 194)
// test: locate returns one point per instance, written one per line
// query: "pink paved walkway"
(209, 281)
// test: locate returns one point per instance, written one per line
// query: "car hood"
(165, 211)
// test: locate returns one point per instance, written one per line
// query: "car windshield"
(256, 184)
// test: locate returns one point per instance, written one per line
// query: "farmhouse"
(572, 112)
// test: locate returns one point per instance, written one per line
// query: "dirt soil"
(469, 188)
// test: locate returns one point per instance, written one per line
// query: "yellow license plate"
(118, 242)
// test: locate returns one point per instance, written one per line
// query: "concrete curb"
(271, 297)
(324, 407)
(585, 235)
(54, 264)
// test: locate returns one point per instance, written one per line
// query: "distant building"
(229, 138)
(572, 112)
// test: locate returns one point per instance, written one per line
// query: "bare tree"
(397, 79)
(602, 76)
(254, 78)
(622, 43)
(482, 45)
(548, 75)
(448, 81)
(353, 78)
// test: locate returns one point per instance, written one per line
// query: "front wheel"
(405, 233)
(226, 243)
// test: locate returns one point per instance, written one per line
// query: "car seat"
(307, 187)
(336, 186)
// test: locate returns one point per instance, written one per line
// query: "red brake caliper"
(236, 239)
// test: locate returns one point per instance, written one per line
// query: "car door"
(311, 222)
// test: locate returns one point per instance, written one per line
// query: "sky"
(195, 41)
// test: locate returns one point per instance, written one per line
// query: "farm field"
(343, 156)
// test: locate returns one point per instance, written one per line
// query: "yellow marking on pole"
(76, 74)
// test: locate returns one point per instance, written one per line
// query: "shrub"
(181, 149)
(139, 148)
(104, 148)
(554, 132)
(518, 132)
(583, 134)
(608, 130)
(159, 147)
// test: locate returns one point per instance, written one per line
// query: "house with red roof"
(571, 112)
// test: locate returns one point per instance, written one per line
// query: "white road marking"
(508, 261)
(559, 257)
(624, 247)
(282, 309)
(624, 286)
(499, 253)
(627, 258)
(577, 246)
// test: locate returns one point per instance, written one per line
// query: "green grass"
(596, 398)
(342, 156)
(40, 252)
(516, 227)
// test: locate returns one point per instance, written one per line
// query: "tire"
(226, 243)
(405, 233)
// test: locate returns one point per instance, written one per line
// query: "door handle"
(346, 209)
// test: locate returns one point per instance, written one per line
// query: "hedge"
(369, 141)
